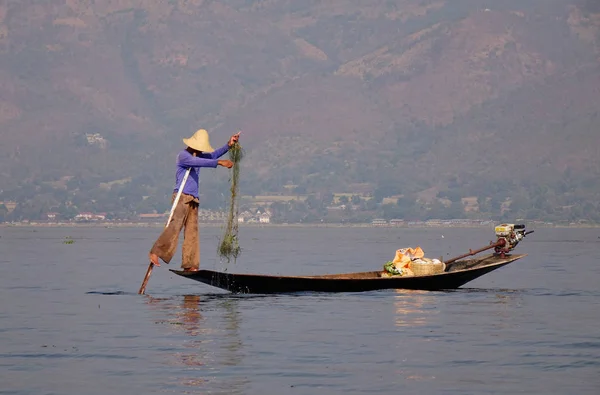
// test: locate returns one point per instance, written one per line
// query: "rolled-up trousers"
(185, 216)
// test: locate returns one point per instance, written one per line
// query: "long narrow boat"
(456, 274)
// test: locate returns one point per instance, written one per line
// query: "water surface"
(72, 323)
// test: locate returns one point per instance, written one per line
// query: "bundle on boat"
(410, 262)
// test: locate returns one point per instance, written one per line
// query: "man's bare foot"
(190, 269)
(154, 259)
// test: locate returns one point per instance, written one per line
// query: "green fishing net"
(229, 247)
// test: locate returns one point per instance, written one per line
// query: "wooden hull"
(456, 275)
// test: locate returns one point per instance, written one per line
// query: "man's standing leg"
(190, 252)
(166, 244)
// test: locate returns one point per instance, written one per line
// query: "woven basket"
(426, 268)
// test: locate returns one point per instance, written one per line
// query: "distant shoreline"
(270, 225)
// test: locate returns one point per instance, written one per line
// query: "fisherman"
(199, 153)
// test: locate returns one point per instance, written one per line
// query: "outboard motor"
(508, 236)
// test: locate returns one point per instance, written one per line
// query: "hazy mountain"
(424, 95)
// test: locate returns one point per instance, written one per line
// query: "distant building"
(52, 216)
(379, 222)
(96, 139)
(205, 215)
(9, 204)
(87, 216)
(397, 222)
(264, 218)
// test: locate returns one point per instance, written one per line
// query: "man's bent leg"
(190, 252)
(166, 244)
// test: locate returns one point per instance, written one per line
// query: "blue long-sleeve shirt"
(186, 160)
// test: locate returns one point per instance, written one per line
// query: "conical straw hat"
(199, 141)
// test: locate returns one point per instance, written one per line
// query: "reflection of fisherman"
(187, 314)
(200, 356)
(199, 153)
(191, 314)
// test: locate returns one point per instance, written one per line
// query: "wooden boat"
(455, 275)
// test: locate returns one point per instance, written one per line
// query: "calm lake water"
(72, 323)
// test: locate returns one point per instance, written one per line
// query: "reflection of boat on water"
(412, 307)
(457, 272)
(456, 275)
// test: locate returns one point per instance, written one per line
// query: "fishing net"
(229, 247)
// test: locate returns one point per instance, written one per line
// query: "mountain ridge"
(422, 94)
